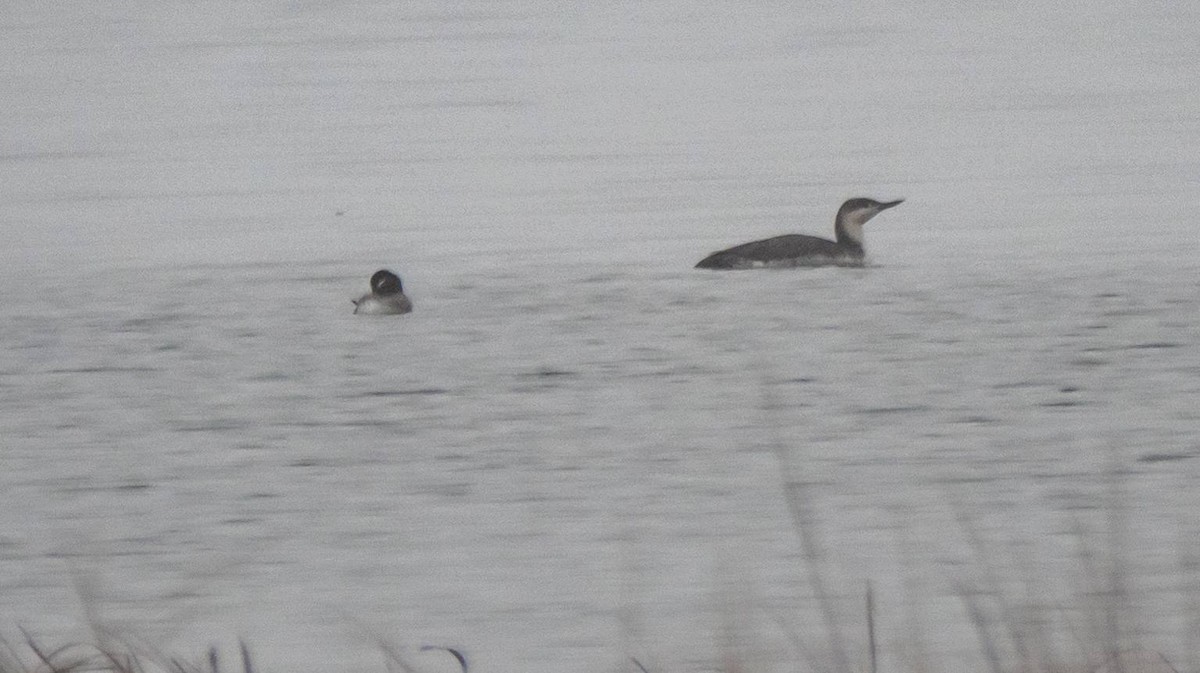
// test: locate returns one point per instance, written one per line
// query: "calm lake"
(579, 449)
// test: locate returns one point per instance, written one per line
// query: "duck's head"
(384, 282)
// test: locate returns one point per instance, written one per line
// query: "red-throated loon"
(800, 250)
(386, 297)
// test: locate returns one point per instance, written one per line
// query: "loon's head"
(854, 213)
(385, 283)
(858, 211)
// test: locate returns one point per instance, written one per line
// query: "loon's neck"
(850, 235)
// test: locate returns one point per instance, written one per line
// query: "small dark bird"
(386, 297)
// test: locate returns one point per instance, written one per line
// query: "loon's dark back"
(782, 251)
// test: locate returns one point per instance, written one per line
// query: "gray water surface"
(575, 449)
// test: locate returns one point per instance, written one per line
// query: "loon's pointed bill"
(792, 250)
